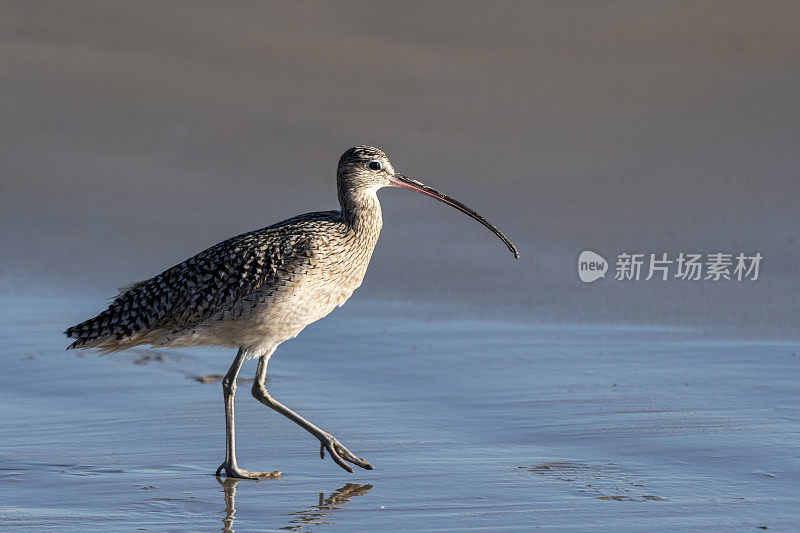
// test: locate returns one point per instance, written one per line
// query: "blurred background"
(135, 134)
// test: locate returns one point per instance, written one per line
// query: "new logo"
(591, 266)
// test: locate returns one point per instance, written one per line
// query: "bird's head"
(364, 170)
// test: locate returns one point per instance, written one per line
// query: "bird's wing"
(218, 278)
(209, 283)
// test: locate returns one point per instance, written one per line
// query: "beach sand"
(489, 393)
(469, 424)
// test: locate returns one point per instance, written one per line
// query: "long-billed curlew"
(258, 289)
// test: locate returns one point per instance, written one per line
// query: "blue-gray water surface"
(489, 393)
(488, 425)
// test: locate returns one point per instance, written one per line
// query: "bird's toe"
(233, 471)
(339, 453)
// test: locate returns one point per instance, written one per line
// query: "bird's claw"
(233, 471)
(340, 454)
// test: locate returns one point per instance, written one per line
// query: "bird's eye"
(375, 165)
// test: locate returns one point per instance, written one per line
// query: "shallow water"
(135, 135)
(481, 424)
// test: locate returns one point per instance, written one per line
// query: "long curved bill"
(398, 180)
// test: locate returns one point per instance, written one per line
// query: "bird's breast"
(334, 270)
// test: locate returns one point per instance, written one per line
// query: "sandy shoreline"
(489, 393)
(475, 424)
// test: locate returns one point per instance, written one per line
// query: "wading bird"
(259, 289)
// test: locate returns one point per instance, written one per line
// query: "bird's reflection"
(229, 489)
(316, 514)
(301, 520)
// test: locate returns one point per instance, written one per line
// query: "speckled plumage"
(254, 290)
(258, 289)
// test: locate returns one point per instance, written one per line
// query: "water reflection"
(229, 489)
(316, 514)
(301, 520)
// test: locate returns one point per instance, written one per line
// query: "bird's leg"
(337, 451)
(228, 393)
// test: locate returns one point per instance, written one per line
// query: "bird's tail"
(94, 332)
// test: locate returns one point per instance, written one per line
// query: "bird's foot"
(233, 471)
(340, 454)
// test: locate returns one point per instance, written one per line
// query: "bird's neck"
(361, 210)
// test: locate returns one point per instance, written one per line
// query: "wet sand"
(470, 424)
(488, 393)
